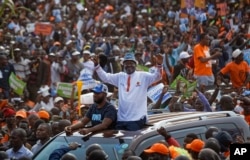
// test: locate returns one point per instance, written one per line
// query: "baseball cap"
(68, 42)
(184, 55)
(100, 88)
(52, 54)
(21, 113)
(86, 52)
(196, 145)
(45, 93)
(17, 50)
(158, 148)
(43, 114)
(75, 53)
(236, 53)
(129, 57)
(8, 112)
(57, 99)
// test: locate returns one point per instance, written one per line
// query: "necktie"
(128, 83)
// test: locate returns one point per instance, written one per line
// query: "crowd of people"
(127, 45)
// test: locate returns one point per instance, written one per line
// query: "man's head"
(92, 147)
(204, 39)
(69, 156)
(20, 115)
(32, 119)
(195, 147)
(184, 57)
(225, 139)
(17, 138)
(86, 55)
(17, 53)
(198, 105)
(100, 93)
(3, 60)
(158, 150)
(189, 138)
(9, 116)
(58, 102)
(75, 55)
(129, 63)
(226, 103)
(237, 55)
(44, 115)
(43, 131)
(211, 131)
(97, 154)
(62, 124)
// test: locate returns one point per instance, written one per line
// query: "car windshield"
(114, 147)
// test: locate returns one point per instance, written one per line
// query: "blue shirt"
(246, 53)
(96, 115)
(22, 152)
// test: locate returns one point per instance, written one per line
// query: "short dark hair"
(192, 135)
(202, 36)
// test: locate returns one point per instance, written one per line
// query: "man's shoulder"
(9, 150)
(108, 104)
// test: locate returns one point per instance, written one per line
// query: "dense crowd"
(124, 48)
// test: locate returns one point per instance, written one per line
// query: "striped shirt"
(22, 69)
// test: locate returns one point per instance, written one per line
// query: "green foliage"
(11, 6)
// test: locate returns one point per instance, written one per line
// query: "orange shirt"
(202, 68)
(237, 73)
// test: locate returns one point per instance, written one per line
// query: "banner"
(222, 8)
(43, 28)
(16, 84)
(200, 4)
(65, 90)
(86, 78)
(155, 92)
(142, 68)
(187, 3)
(186, 88)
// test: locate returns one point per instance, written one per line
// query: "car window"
(113, 147)
(231, 128)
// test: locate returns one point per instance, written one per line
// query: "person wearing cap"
(157, 151)
(132, 86)
(10, 120)
(238, 70)
(102, 114)
(182, 68)
(20, 115)
(59, 104)
(44, 115)
(21, 67)
(46, 101)
(40, 74)
(74, 67)
(67, 54)
(58, 70)
(5, 71)
(202, 62)
(88, 63)
(195, 147)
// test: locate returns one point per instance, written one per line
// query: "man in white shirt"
(87, 62)
(132, 89)
(21, 67)
(58, 68)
